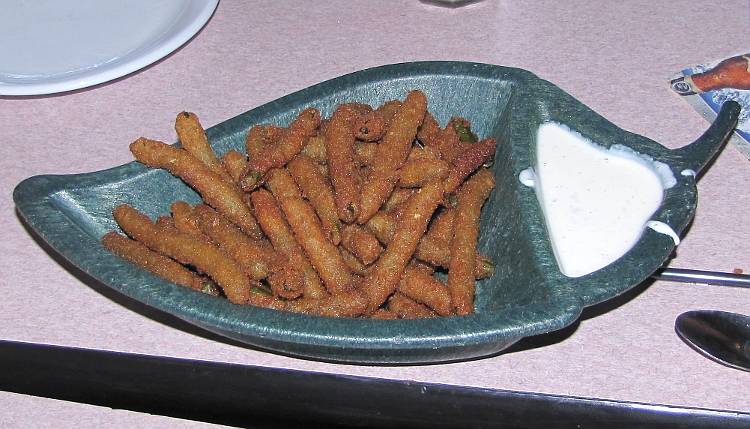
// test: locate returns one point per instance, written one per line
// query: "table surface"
(616, 57)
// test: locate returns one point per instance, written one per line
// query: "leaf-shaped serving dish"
(528, 294)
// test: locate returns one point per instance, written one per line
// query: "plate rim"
(149, 53)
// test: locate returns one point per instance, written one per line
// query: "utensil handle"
(706, 277)
(698, 154)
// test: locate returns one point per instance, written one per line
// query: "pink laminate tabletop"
(616, 57)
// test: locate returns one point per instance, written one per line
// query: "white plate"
(51, 46)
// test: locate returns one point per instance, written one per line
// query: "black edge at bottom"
(251, 396)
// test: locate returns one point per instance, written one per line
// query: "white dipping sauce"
(596, 201)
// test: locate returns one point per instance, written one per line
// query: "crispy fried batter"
(216, 192)
(278, 231)
(391, 154)
(155, 263)
(318, 191)
(420, 171)
(342, 168)
(467, 162)
(369, 127)
(185, 219)
(259, 137)
(193, 138)
(406, 308)
(253, 256)
(234, 163)
(471, 197)
(383, 279)
(322, 253)
(290, 143)
(316, 149)
(422, 287)
(362, 244)
(186, 249)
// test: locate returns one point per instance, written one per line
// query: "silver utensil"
(706, 277)
(721, 336)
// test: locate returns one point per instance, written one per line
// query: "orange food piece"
(461, 279)
(406, 308)
(254, 257)
(468, 161)
(342, 168)
(216, 192)
(185, 219)
(259, 137)
(323, 255)
(318, 192)
(278, 231)
(234, 163)
(193, 139)
(290, 143)
(362, 244)
(386, 273)
(161, 266)
(420, 171)
(391, 154)
(420, 286)
(188, 250)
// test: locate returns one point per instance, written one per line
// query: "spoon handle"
(706, 277)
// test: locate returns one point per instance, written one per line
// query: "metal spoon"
(706, 277)
(721, 336)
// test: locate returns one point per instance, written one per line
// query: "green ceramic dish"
(527, 296)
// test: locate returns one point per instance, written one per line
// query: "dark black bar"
(252, 396)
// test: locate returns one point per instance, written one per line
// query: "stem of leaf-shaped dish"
(698, 154)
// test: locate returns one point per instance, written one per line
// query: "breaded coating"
(193, 139)
(316, 149)
(471, 197)
(406, 308)
(278, 231)
(430, 134)
(422, 287)
(388, 110)
(467, 162)
(383, 226)
(354, 264)
(430, 249)
(342, 168)
(282, 184)
(361, 243)
(157, 264)
(290, 143)
(318, 191)
(398, 197)
(383, 314)
(391, 154)
(216, 192)
(259, 137)
(185, 220)
(234, 163)
(369, 127)
(364, 153)
(351, 303)
(186, 249)
(323, 255)
(420, 171)
(386, 273)
(253, 256)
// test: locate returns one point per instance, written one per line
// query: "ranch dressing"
(596, 201)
